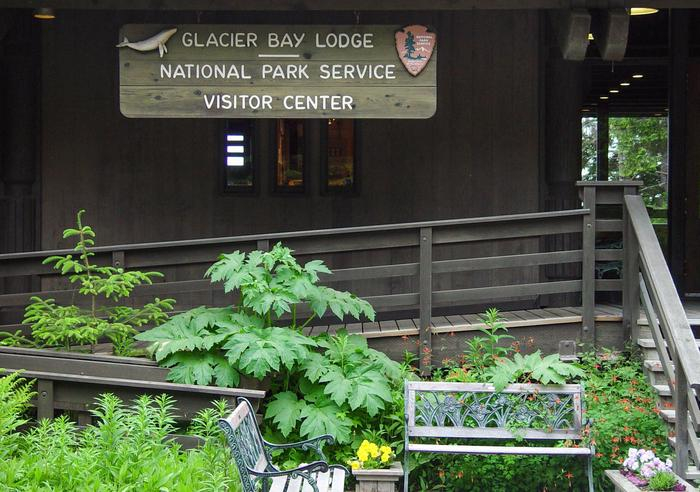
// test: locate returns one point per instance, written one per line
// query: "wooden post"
(425, 280)
(630, 273)
(588, 267)
(680, 397)
(602, 143)
(118, 260)
(677, 148)
(263, 245)
(44, 399)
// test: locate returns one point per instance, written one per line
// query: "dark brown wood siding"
(156, 180)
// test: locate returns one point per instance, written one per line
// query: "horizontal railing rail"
(410, 268)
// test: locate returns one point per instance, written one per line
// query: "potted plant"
(643, 470)
(374, 468)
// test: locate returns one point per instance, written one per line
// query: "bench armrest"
(313, 444)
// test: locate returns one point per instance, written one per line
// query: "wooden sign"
(256, 71)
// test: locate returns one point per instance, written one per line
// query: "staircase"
(655, 374)
(663, 331)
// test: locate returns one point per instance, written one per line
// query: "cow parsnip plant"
(321, 384)
(532, 368)
(103, 286)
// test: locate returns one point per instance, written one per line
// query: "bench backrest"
(477, 411)
(246, 442)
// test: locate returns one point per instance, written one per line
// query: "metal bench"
(468, 411)
(252, 455)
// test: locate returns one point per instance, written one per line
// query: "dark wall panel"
(152, 180)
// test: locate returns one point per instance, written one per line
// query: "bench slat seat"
(464, 449)
(332, 480)
(252, 455)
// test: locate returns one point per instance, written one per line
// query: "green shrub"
(126, 449)
(320, 385)
(63, 326)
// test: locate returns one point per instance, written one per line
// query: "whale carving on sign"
(154, 42)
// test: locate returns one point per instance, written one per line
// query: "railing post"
(263, 245)
(588, 267)
(425, 281)
(680, 396)
(118, 260)
(630, 273)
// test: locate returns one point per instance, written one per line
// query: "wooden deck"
(512, 319)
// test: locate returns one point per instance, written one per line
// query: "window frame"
(275, 189)
(353, 190)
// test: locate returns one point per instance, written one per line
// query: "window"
(291, 156)
(339, 164)
(238, 158)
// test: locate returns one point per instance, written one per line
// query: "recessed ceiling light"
(624, 84)
(585, 110)
(590, 36)
(604, 97)
(44, 13)
(643, 10)
(637, 76)
(614, 91)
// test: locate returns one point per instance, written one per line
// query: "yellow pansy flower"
(373, 450)
(355, 465)
(362, 454)
(386, 457)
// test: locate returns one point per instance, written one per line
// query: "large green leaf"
(338, 386)
(314, 366)
(262, 351)
(325, 418)
(189, 331)
(202, 368)
(369, 391)
(285, 411)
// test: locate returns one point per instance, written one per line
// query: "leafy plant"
(56, 325)
(532, 368)
(622, 406)
(483, 352)
(15, 394)
(273, 284)
(128, 448)
(663, 481)
(338, 389)
(321, 385)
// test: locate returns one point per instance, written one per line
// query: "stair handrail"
(669, 307)
(666, 315)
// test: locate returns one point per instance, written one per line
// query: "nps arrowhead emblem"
(415, 45)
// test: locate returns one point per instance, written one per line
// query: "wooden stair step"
(693, 473)
(654, 366)
(648, 343)
(669, 415)
(662, 389)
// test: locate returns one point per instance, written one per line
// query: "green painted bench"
(252, 456)
(464, 411)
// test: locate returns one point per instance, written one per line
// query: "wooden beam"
(610, 29)
(571, 28)
(347, 5)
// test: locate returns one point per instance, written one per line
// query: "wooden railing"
(417, 269)
(647, 274)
